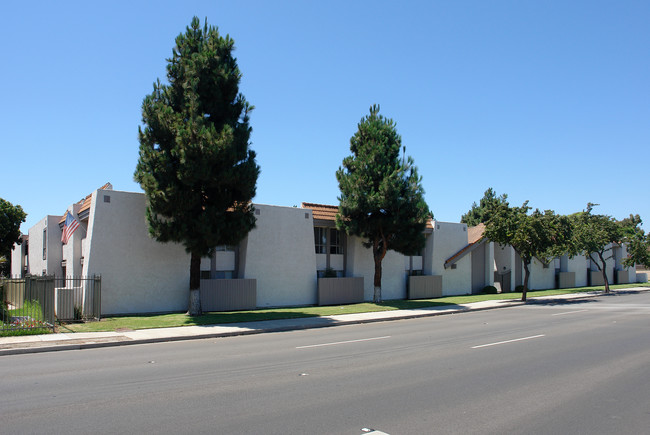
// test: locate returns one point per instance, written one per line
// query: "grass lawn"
(181, 319)
(31, 320)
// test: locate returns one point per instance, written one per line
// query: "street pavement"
(90, 340)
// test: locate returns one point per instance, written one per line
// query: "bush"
(329, 273)
(519, 289)
(489, 290)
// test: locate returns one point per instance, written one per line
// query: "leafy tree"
(195, 165)
(481, 212)
(595, 235)
(11, 216)
(382, 199)
(541, 235)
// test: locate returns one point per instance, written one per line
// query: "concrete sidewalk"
(89, 340)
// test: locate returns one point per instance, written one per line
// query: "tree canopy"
(595, 235)
(481, 212)
(382, 199)
(535, 235)
(195, 165)
(11, 216)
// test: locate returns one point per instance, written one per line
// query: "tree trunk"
(604, 271)
(377, 281)
(378, 255)
(526, 276)
(194, 308)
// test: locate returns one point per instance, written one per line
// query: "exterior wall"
(280, 254)
(541, 278)
(360, 263)
(52, 262)
(19, 258)
(577, 265)
(138, 274)
(447, 239)
(504, 259)
(71, 251)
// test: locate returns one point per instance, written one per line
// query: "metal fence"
(36, 302)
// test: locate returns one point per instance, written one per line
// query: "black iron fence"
(36, 302)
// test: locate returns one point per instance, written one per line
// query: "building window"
(44, 243)
(320, 240)
(224, 248)
(335, 242)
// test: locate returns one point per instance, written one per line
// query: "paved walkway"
(89, 340)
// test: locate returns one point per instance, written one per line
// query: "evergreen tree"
(481, 212)
(382, 199)
(11, 216)
(195, 165)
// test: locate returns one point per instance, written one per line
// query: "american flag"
(70, 225)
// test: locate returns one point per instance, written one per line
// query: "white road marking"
(342, 342)
(508, 341)
(569, 312)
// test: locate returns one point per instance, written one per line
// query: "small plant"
(519, 288)
(78, 313)
(489, 290)
(329, 273)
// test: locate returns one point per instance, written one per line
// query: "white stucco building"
(281, 259)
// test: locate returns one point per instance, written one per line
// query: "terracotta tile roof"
(328, 212)
(321, 211)
(474, 236)
(85, 201)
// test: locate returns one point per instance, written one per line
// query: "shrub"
(329, 273)
(489, 290)
(519, 288)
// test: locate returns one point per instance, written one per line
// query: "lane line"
(569, 312)
(508, 341)
(343, 342)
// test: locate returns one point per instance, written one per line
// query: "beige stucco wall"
(280, 254)
(138, 273)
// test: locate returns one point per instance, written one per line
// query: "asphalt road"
(568, 368)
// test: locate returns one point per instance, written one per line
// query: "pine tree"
(382, 199)
(195, 165)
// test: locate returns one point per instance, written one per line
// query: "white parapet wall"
(279, 253)
(138, 273)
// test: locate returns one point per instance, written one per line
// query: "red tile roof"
(328, 212)
(85, 201)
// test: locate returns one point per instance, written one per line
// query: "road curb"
(56, 346)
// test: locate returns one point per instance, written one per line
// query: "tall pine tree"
(382, 199)
(195, 165)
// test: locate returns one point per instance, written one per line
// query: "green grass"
(181, 319)
(34, 314)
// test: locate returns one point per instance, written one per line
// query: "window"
(320, 240)
(335, 242)
(44, 243)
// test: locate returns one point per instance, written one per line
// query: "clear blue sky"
(547, 101)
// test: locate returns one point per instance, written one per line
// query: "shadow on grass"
(213, 318)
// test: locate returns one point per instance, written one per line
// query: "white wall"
(540, 278)
(72, 249)
(18, 258)
(52, 263)
(447, 239)
(280, 254)
(360, 263)
(138, 273)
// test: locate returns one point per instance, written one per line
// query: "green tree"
(382, 199)
(11, 216)
(195, 165)
(481, 212)
(595, 236)
(535, 235)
